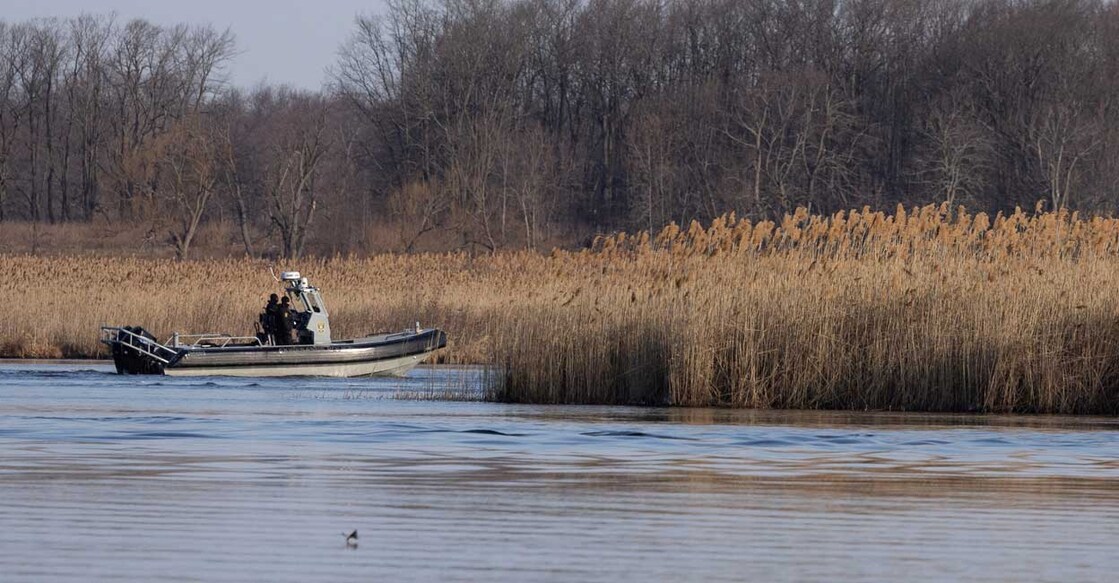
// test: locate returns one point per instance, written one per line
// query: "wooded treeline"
(503, 123)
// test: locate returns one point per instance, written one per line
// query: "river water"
(105, 477)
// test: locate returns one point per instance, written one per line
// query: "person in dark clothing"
(270, 319)
(283, 322)
(270, 312)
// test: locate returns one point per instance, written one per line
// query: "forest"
(479, 125)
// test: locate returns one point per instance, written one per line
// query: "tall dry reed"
(922, 309)
(926, 309)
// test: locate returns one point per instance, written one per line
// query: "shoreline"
(737, 415)
(927, 309)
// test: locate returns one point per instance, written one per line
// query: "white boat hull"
(390, 367)
(378, 355)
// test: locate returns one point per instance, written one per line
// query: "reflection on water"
(107, 477)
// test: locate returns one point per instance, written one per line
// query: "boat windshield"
(305, 302)
(299, 301)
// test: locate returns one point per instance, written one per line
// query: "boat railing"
(116, 335)
(212, 340)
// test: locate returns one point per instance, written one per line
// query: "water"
(142, 478)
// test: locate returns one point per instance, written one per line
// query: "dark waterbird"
(351, 539)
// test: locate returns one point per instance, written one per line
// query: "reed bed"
(927, 309)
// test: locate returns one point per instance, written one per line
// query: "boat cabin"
(309, 315)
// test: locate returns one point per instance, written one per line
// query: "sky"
(289, 42)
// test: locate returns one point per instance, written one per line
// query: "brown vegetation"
(925, 309)
(921, 310)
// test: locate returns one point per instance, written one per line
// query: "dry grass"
(923, 310)
(920, 310)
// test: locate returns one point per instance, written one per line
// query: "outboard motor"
(127, 359)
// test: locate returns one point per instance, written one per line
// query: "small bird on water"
(351, 539)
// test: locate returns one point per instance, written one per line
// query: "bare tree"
(182, 164)
(654, 160)
(85, 92)
(799, 137)
(12, 105)
(295, 152)
(499, 122)
(1062, 137)
(38, 77)
(234, 181)
(158, 75)
(957, 155)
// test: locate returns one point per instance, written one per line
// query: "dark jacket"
(271, 319)
(283, 317)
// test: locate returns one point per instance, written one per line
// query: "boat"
(312, 351)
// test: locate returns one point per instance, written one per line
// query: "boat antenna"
(273, 273)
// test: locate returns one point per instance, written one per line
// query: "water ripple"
(128, 478)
